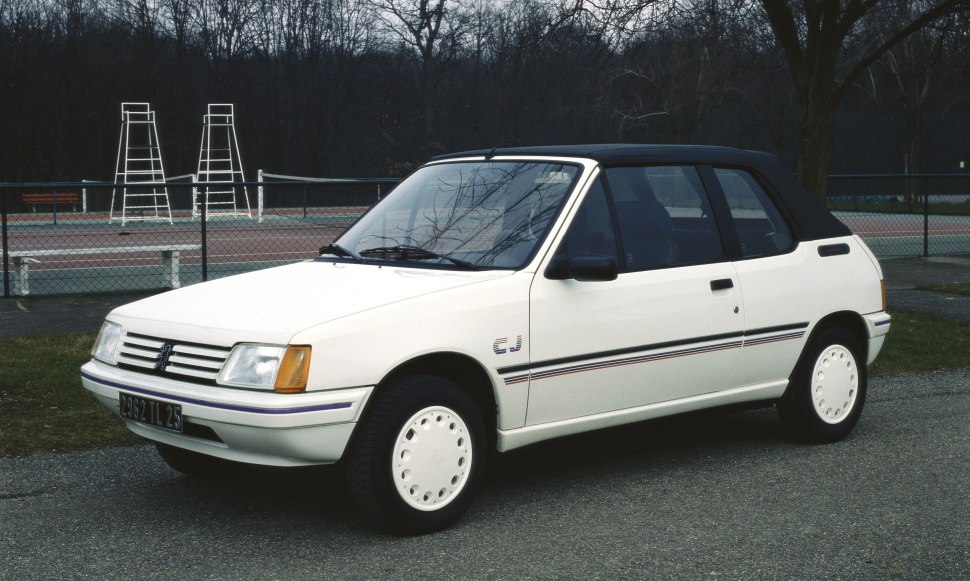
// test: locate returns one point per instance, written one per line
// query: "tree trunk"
(428, 93)
(914, 124)
(815, 123)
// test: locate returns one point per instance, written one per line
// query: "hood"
(272, 305)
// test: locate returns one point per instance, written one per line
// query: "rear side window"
(760, 225)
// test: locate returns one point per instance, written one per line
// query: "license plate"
(149, 411)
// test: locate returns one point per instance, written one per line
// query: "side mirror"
(590, 268)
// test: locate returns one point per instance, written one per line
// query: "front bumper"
(246, 426)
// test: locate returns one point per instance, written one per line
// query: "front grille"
(187, 361)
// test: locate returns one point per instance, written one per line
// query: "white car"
(500, 298)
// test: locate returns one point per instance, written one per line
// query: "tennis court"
(90, 251)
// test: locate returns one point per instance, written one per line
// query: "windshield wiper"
(406, 252)
(338, 250)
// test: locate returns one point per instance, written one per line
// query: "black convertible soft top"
(812, 221)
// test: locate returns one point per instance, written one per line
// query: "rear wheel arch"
(848, 320)
(851, 322)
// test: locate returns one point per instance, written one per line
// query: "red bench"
(33, 199)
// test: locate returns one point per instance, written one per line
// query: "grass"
(955, 288)
(44, 408)
(913, 345)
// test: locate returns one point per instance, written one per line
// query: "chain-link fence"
(905, 215)
(71, 238)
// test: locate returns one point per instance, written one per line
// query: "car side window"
(760, 225)
(664, 217)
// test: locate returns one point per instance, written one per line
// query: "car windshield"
(490, 214)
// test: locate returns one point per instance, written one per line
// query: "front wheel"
(419, 457)
(827, 390)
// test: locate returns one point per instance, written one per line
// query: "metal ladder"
(138, 169)
(220, 165)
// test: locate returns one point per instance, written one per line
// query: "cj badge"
(502, 345)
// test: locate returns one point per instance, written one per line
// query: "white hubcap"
(835, 384)
(432, 458)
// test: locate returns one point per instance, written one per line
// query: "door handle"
(722, 284)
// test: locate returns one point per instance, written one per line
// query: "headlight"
(279, 367)
(106, 345)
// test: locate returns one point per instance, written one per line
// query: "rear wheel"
(419, 456)
(827, 390)
(194, 464)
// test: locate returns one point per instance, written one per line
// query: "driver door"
(668, 327)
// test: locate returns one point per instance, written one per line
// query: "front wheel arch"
(460, 369)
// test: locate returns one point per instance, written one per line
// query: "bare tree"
(910, 70)
(226, 27)
(343, 39)
(690, 61)
(433, 30)
(142, 16)
(177, 15)
(826, 56)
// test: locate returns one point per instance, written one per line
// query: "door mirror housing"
(591, 268)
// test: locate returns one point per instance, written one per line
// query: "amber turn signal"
(294, 370)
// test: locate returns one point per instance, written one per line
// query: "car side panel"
(790, 294)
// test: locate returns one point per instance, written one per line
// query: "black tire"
(827, 389)
(194, 464)
(418, 457)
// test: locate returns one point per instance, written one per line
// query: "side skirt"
(518, 437)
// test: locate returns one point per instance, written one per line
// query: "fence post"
(203, 210)
(195, 195)
(6, 246)
(926, 217)
(259, 197)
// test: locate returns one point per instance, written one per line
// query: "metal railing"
(65, 240)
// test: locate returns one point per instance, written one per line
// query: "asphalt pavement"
(706, 496)
(904, 275)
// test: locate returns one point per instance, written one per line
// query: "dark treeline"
(372, 87)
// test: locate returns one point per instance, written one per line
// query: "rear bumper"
(255, 427)
(877, 325)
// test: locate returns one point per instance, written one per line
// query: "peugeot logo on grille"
(161, 362)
